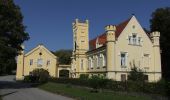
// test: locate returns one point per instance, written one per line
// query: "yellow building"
(116, 51)
(39, 57)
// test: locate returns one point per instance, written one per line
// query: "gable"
(119, 30)
(133, 26)
(40, 48)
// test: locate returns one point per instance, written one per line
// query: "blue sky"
(50, 21)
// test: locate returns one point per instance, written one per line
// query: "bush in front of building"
(99, 83)
(84, 76)
(37, 76)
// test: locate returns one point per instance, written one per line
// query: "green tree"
(64, 56)
(136, 75)
(12, 35)
(160, 21)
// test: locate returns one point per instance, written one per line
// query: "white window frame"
(134, 39)
(130, 39)
(40, 62)
(123, 61)
(97, 61)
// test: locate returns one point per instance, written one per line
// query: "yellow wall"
(135, 54)
(35, 55)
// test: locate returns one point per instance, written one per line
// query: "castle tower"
(156, 49)
(110, 50)
(80, 46)
(20, 64)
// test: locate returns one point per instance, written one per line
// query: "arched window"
(104, 60)
(94, 61)
(97, 61)
(90, 62)
(101, 60)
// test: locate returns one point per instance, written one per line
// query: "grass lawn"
(85, 94)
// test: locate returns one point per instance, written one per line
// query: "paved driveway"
(11, 90)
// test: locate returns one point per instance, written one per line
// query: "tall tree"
(160, 21)
(64, 56)
(12, 34)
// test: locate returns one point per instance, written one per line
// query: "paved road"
(11, 90)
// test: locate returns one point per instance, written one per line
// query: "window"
(130, 39)
(123, 59)
(134, 38)
(31, 62)
(104, 60)
(139, 40)
(40, 62)
(48, 62)
(93, 61)
(101, 60)
(146, 77)
(81, 64)
(97, 61)
(90, 62)
(123, 77)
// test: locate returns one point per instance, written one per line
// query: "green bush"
(136, 74)
(96, 83)
(37, 76)
(30, 79)
(41, 75)
(84, 76)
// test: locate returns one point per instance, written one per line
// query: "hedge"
(160, 87)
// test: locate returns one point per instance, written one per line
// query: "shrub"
(136, 75)
(41, 75)
(38, 76)
(98, 82)
(84, 76)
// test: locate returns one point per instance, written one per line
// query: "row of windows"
(39, 62)
(124, 59)
(100, 60)
(134, 40)
(97, 61)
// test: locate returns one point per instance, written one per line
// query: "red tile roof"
(102, 38)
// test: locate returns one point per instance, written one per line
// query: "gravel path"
(11, 90)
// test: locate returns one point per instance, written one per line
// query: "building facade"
(116, 51)
(39, 57)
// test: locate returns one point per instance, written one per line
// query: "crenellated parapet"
(155, 36)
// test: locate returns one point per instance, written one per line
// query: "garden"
(99, 87)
